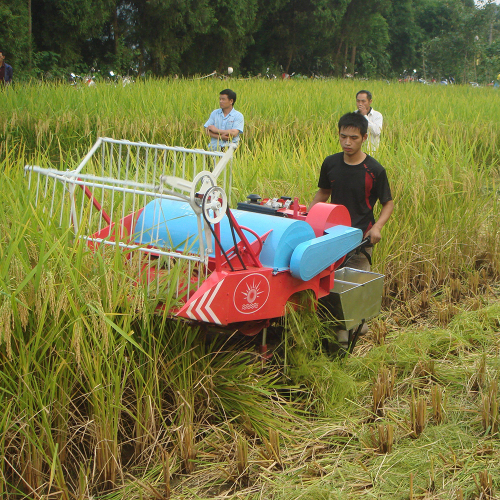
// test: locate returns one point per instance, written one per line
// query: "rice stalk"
(481, 373)
(437, 404)
(166, 474)
(242, 463)
(82, 490)
(474, 280)
(383, 439)
(418, 415)
(379, 330)
(484, 485)
(272, 446)
(105, 372)
(383, 388)
(62, 307)
(489, 408)
(425, 368)
(187, 447)
(432, 477)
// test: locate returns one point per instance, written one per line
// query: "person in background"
(225, 124)
(375, 119)
(6, 70)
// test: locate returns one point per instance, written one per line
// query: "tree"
(299, 36)
(373, 58)
(233, 35)
(440, 37)
(164, 30)
(449, 31)
(363, 25)
(406, 37)
(63, 26)
(488, 43)
(14, 36)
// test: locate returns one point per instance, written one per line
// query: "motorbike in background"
(77, 80)
(120, 80)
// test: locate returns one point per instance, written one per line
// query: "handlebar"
(366, 243)
(361, 248)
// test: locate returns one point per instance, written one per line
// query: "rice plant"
(101, 397)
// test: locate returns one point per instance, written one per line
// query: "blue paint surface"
(171, 224)
(311, 257)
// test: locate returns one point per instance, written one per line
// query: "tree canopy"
(381, 38)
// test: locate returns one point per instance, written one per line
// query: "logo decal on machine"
(251, 293)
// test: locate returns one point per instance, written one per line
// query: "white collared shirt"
(375, 120)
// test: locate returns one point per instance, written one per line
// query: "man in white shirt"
(375, 120)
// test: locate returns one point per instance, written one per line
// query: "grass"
(101, 398)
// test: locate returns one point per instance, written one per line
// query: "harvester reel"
(214, 204)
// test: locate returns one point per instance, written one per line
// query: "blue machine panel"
(312, 257)
(172, 224)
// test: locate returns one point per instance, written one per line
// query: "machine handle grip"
(366, 243)
(361, 248)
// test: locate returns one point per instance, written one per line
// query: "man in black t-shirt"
(356, 180)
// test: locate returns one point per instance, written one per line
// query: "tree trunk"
(289, 62)
(492, 22)
(141, 61)
(115, 30)
(339, 49)
(30, 29)
(423, 62)
(344, 66)
(337, 56)
(291, 52)
(353, 58)
(465, 67)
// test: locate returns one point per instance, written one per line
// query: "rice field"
(102, 398)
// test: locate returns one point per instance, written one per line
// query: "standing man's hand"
(364, 109)
(375, 232)
(375, 235)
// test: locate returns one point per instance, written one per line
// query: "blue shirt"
(234, 119)
(7, 73)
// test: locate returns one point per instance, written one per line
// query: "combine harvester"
(227, 269)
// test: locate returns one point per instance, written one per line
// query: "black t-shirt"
(357, 187)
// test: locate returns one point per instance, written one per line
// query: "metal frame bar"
(129, 174)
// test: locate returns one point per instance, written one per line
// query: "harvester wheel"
(202, 182)
(214, 204)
